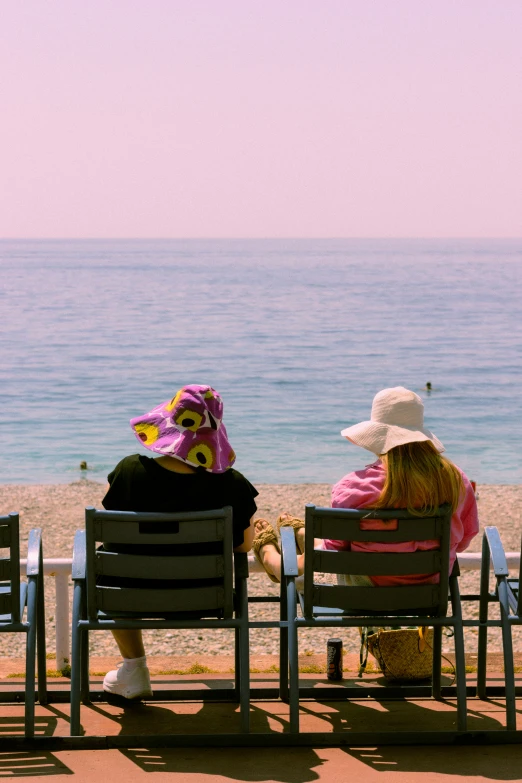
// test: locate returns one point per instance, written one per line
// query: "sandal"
(294, 522)
(266, 536)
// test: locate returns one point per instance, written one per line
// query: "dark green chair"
(339, 606)
(19, 598)
(164, 586)
(507, 595)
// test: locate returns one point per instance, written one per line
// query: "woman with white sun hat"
(410, 472)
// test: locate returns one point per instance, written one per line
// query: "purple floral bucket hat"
(189, 427)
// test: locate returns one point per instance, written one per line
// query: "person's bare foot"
(268, 553)
(299, 531)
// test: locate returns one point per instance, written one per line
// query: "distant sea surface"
(297, 336)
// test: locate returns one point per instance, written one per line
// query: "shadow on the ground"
(301, 765)
(496, 762)
(25, 764)
(18, 764)
(44, 726)
(398, 716)
(284, 765)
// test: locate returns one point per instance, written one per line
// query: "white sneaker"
(130, 683)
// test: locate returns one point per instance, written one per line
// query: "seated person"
(410, 473)
(193, 473)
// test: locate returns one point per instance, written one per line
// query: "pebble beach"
(59, 511)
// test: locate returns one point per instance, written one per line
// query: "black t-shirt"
(140, 483)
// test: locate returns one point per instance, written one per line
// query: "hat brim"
(379, 438)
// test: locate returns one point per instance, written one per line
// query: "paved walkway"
(422, 764)
(291, 765)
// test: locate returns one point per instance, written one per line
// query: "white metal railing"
(60, 568)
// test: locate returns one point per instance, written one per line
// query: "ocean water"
(297, 335)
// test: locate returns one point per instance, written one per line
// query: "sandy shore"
(59, 511)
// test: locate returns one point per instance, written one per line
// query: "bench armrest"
(34, 552)
(498, 557)
(79, 555)
(288, 552)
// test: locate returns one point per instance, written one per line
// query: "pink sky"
(260, 118)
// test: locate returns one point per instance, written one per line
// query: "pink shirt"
(361, 490)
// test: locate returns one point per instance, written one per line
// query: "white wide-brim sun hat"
(397, 418)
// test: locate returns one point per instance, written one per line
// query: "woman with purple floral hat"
(192, 472)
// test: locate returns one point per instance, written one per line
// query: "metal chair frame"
(17, 598)
(97, 607)
(288, 624)
(349, 607)
(507, 595)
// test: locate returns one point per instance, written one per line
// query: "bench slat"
(390, 599)
(125, 599)
(135, 532)
(151, 567)
(376, 563)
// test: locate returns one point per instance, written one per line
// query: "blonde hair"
(419, 479)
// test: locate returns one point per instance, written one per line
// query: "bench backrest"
(10, 566)
(177, 589)
(345, 525)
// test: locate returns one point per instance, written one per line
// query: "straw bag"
(403, 653)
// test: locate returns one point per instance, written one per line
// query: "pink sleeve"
(468, 513)
(351, 493)
(356, 490)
